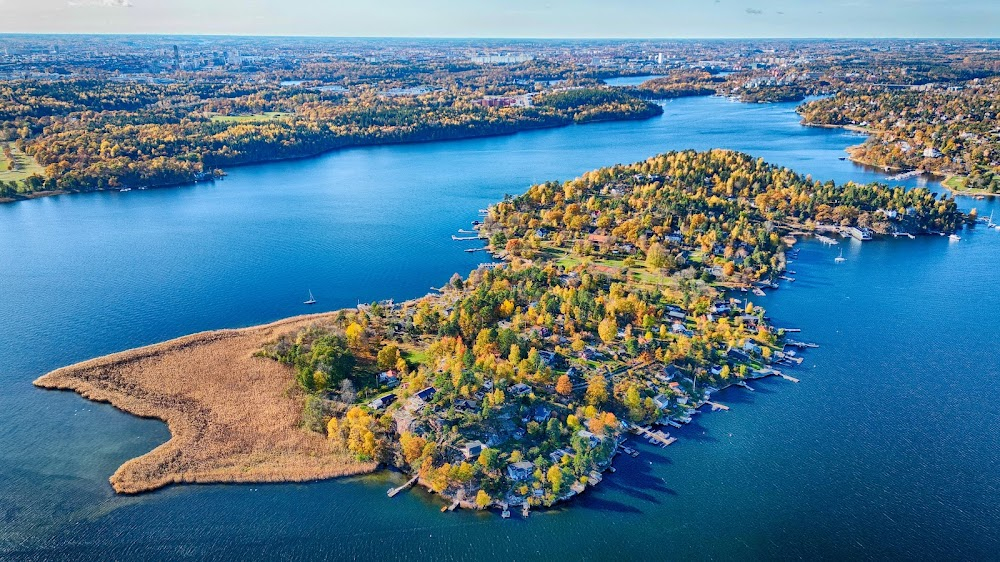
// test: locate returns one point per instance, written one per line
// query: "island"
(618, 302)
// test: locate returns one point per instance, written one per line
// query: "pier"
(801, 344)
(484, 249)
(745, 385)
(393, 491)
(786, 377)
(716, 406)
(826, 240)
(663, 439)
(464, 238)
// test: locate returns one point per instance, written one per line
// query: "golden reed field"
(232, 417)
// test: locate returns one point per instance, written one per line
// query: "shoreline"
(232, 417)
(460, 136)
(941, 177)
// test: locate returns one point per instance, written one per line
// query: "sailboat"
(312, 300)
(840, 258)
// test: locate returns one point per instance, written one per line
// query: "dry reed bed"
(232, 417)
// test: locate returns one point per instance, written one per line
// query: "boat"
(758, 292)
(312, 300)
(954, 237)
(505, 513)
(125, 190)
(840, 258)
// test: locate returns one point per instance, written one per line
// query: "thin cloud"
(754, 11)
(99, 3)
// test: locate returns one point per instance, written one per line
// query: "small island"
(618, 303)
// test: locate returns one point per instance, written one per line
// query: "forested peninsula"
(92, 135)
(951, 130)
(614, 306)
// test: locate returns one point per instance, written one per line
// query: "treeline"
(598, 104)
(92, 135)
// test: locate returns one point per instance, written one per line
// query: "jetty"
(906, 175)
(745, 385)
(393, 491)
(786, 377)
(483, 249)
(826, 240)
(801, 344)
(716, 406)
(464, 238)
(790, 330)
(664, 439)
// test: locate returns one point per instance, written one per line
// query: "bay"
(887, 448)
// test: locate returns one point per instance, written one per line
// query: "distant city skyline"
(511, 18)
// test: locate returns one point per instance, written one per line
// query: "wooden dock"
(657, 436)
(801, 344)
(745, 385)
(786, 377)
(393, 491)
(716, 406)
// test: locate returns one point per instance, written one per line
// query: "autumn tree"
(608, 329)
(388, 356)
(597, 390)
(564, 386)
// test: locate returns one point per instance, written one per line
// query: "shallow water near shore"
(887, 448)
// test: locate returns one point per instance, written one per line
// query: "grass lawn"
(416, 357)
(24, 166)
(256, 117)
(954, 182)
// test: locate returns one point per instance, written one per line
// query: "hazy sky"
(512, 18)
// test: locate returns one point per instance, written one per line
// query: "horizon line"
(505, 38)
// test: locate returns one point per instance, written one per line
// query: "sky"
(510, 18)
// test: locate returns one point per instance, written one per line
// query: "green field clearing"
(954, 182)
(256, 117)
(24, 166)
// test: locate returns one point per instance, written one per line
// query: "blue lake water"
(887, 448)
